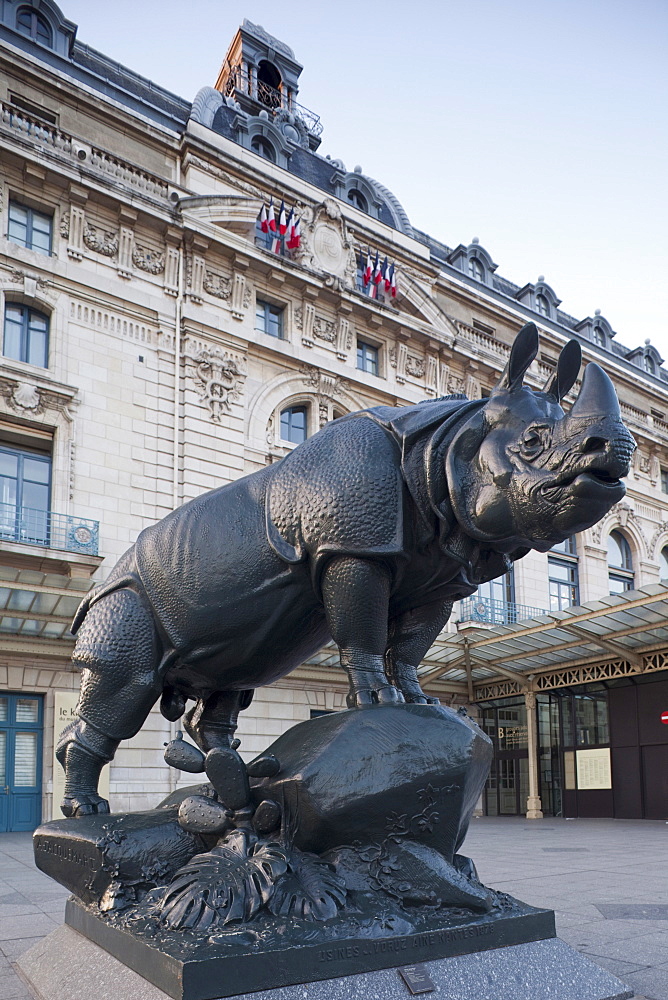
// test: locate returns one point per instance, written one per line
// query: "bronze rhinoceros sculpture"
(364, 534)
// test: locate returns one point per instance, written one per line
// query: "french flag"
(368, 269)
(272, 216)
(290, 229)
(377, 271)
(393, 283)
(264, 220)
(282, 220)
(386, 274)
(297, 237)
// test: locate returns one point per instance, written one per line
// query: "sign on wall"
(593, 768)
(65, 703)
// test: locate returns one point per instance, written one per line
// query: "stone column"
(534, 810)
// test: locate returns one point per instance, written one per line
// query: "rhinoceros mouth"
(591, 484)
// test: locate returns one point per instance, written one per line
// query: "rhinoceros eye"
(532, 442)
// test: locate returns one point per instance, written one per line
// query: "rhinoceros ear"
(568, 366)
(522, 353)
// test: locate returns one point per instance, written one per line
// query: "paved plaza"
(607, 880)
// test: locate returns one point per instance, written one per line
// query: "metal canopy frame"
(620, 629)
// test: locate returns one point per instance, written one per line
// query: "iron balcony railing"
(272, 99)
(492, 612)
(44, 527)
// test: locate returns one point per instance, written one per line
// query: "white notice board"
(593, 768)
(63, 713)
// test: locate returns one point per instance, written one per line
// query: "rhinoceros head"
(522, 472)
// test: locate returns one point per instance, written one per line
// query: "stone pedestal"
(67, 966)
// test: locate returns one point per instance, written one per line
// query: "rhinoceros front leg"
(411, 636)
(356, 595)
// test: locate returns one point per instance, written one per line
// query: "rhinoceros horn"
(597, 397)
(568, 366)
(522, 353)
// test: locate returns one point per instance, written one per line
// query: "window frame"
(364, 346)
(36, 19)
(624, 574)
(32, 213)
(28, 313)
(17, 533)
(261, 140)
(291, 408)
(270, 309)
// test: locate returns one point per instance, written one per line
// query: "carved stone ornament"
(101, 241)
(65, 227)
(26, 398)
(216, 285)
(326, 385)
(325, 243)
(219, 379)
(150, 261)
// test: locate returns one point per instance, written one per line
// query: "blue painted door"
(20, 761)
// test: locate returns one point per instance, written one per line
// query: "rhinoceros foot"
(364, 696)
(83, 805)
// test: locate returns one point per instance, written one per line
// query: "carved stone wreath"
(216, 285)
(218, 378)
(148, 260)
(102, 241)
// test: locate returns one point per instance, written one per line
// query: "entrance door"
(20, 762)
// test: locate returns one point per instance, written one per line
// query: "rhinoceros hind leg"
(212, 722)
(118, 652)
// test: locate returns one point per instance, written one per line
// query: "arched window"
(542, 305)
(599, 336)
(476, 270)
(663, 564)
(294, 424)
(26, 335)
(263, 147)
(34, 26)
(649, 364)
(357, 199)
(620, 563)
(268, 84)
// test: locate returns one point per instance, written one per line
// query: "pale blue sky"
(539, 127)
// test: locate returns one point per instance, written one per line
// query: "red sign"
(664, 717)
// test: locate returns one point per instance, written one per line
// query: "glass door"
(20, 762)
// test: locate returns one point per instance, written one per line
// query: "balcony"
(49, 530)
(486, 611)
(273, 100)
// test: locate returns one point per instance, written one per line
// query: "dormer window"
(357, 199)
(649, 364)
(599, 336)
(263, 147)
(476, 269)
(33, 25)
(542, 305)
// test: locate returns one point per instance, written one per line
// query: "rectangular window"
(664, 480)
(26, 335)
(36, 110)
(563, 578)
(367, 357)
(29, 228)
(25, 492)
(269, 319)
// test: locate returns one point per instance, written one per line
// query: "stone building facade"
(156, 346)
